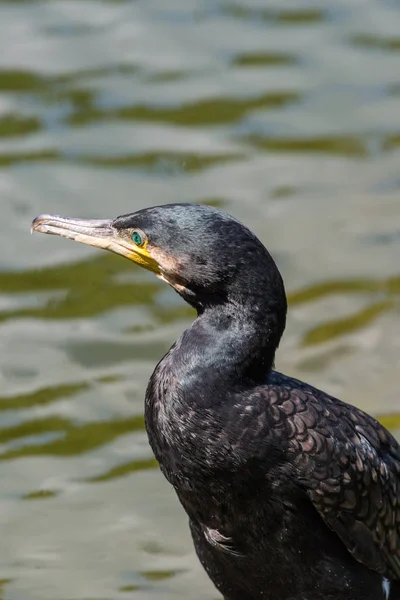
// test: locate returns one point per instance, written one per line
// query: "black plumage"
(291, 494)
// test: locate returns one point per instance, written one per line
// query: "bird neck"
(228, 349)
(236, 341)
(238, 328)
(231, 343)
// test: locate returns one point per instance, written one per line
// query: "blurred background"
(285, 113)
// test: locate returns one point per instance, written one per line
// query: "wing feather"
(349, 466)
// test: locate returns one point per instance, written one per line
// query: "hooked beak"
(97, 233)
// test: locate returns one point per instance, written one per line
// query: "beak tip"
(38, 222)
(93, 232)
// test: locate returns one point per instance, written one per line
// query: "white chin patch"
(386, 587)
(172, 283)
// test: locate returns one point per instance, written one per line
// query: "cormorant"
(291, 494)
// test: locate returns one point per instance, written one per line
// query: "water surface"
(285, 114)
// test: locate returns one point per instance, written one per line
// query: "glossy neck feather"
(237, 331)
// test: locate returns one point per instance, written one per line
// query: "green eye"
(137, 238)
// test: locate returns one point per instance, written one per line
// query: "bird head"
(203, 253)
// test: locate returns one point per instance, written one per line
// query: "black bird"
(291, 494)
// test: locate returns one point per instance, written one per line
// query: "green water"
(284, 113)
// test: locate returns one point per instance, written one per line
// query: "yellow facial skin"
(100, 234)
(141, 255)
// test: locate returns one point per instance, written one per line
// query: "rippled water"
(287, 115)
